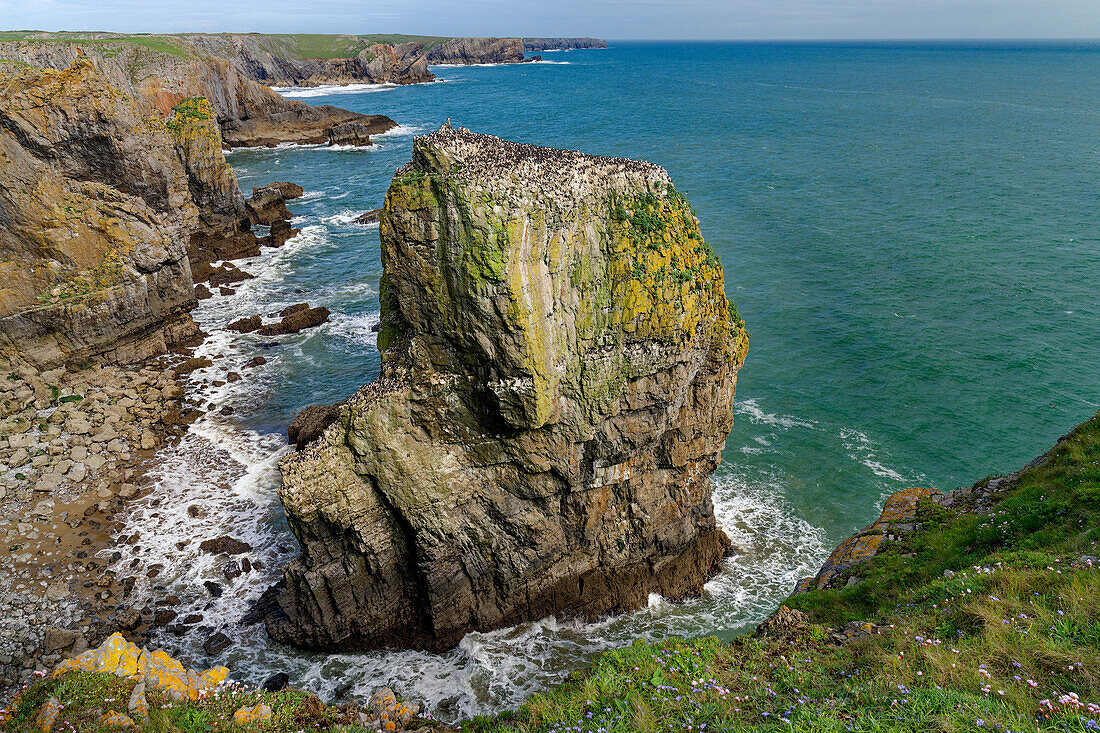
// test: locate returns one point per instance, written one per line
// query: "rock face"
(95, 218)
(534, 45)
(353, 133)
(248, 113)
(478, 51)
(222, 231)
(559, 366)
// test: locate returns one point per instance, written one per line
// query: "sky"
(612, 19)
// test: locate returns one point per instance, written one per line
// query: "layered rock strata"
(534, 45)
(95, 217)
(559, 366)
(249, 113)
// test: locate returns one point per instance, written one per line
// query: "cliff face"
(95, 215)
(534, 45)
(261, 59)
(248, 113)
(559, 366)
(477, 51)
(222, 229)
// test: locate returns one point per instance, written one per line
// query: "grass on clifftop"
(1009, 642)
(327, 46)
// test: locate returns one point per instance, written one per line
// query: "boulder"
(784, 621)
(280, 233)
(296, 318)
(559, 363)
(58, 640)
(246, 325)
(266, 206)
(276, 682)
(225, 545)
(216, 643)
(308, 424)
(288, 190)
(350, 133)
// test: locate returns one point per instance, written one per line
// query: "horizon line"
(808, 39)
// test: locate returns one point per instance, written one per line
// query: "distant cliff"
(559, 366)
(535, 45)
(157, 76)
(287, 59)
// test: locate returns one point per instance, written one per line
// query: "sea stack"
(559, 362)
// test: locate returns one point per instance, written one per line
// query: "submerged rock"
(559, 365)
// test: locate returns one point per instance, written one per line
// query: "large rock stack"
(559, 366)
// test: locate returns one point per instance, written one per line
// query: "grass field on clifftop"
(1008, 640)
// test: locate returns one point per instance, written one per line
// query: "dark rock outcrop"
(281, 231)
(296, 318)
(369, 217)
(310, 423)
(225, 545)
(559, 366)
(288, 190)
(352, 133)
(300, 125)
(266, 206)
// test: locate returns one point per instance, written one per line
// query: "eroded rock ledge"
(559, 366)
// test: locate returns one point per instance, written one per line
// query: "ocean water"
(911, 232)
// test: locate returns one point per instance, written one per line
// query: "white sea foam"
(352, 148)
(357, 328)
(864, 450)
(399, 131)
(752, 410)
(326, 89)
(347, 216)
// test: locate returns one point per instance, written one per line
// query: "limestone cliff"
(95, 216)
(559, 366)
(534, 45)
(222, 230)
(478, 51)
(157, 78)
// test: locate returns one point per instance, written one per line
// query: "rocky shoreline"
(75, 446)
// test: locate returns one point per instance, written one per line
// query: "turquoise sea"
(911, 232)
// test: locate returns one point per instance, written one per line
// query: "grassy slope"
(292, 45)
(1010, 642)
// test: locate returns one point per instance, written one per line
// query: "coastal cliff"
(157, 77)
(559, 366)
(220, 66)
(534, 45)
(95, 217)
